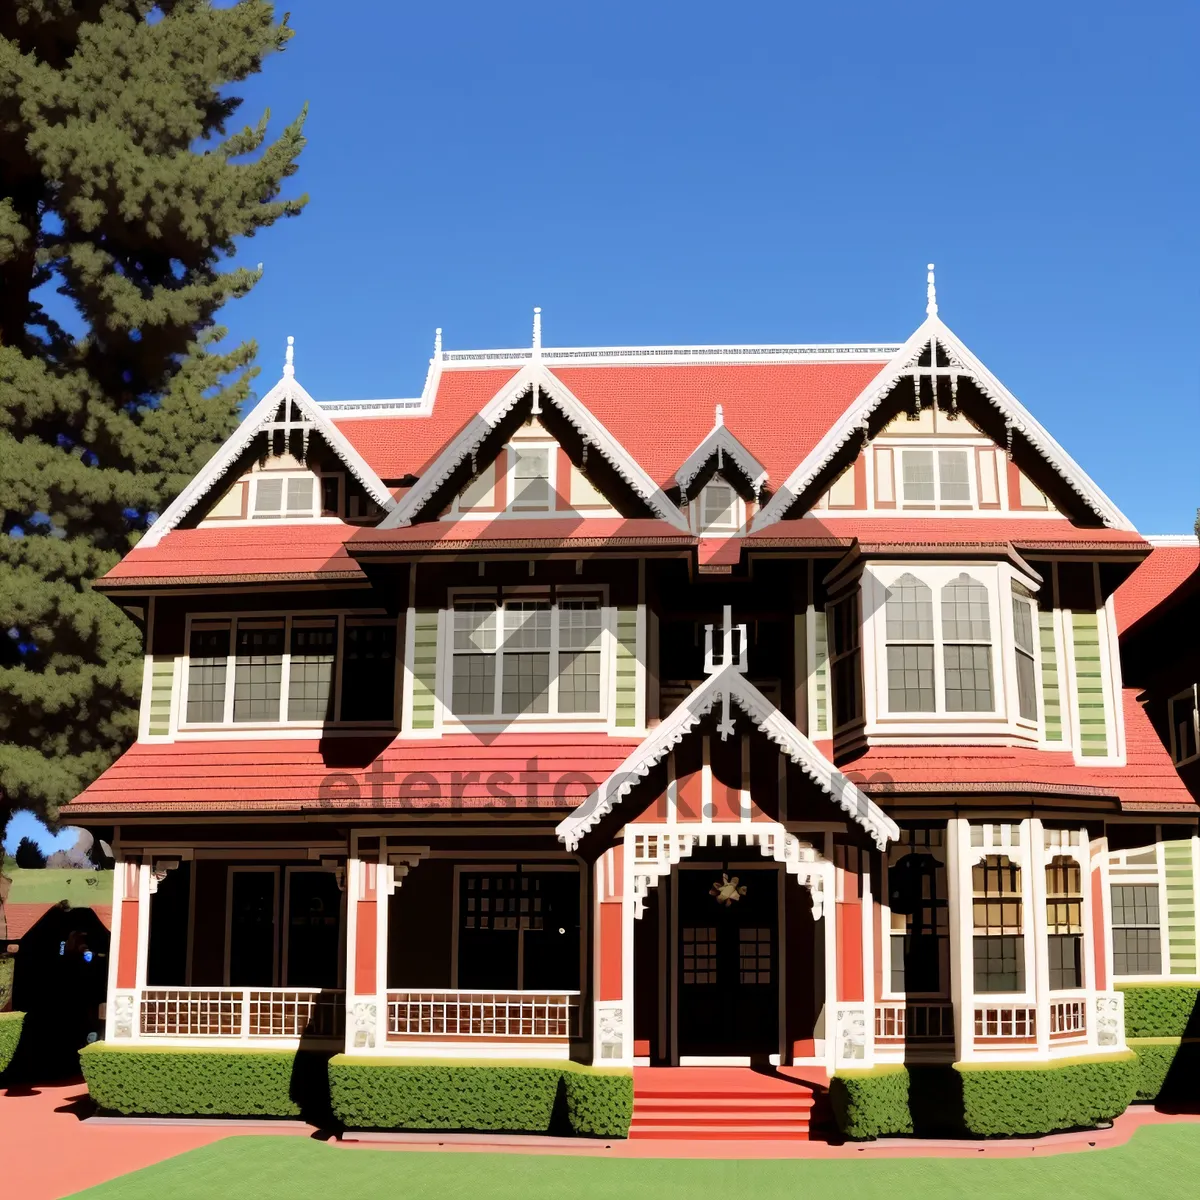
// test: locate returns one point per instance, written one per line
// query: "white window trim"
(1143, 875)
(936, 446)
(315, 512)
(513, 448)
(227, 726)
(450, 722)
(695, 506)
(1004, 720)
(1193, 694)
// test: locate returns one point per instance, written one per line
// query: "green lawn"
(82, 888)
(1163, 1161)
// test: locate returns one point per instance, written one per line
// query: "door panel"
(313, 930)
(252, 896)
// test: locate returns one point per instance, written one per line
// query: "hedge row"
(1161, 1010)
(10, 1035)
(168, 1081)
(380, 1093)
(984, 1099)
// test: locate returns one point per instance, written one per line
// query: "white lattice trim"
(727, 682)
(554, 391)
(286, 392)
(853, 421)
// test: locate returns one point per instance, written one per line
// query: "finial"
(289, 367)
(437, 342)
(930, 294)
(720, 414)
(537, 332)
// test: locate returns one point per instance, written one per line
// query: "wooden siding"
(1181, 907)
(424, 668)
(626, 667)
(162, 683)
(1089, 684)
(1051, 696)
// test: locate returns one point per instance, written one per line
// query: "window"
(844, 660)
(910, 646)
(526, 657)
(531, 477)
(331, 495)
(278, 494)
(1064, 923)
(920, 920)
(718, 506)
(966, 632)
(369, 672)
(936, 478)
(999, 940)
(1024, 624)
(285, 669)
(208, 659)
(1184, 716)
(1137, 938)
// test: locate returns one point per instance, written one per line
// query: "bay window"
(845, 660)
(1064, 922)
(1024, 624)
(999, 942)
(519, 657)
(285, 670)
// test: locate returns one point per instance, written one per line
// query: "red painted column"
(848, 912)
(127, 949)
(1099, 940)
(366, 960)
(609, 926)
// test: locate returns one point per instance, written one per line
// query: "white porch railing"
(1068, 1019)
(1005, 1023)
(241, 1012)
(914, 1021)
(478, 1014)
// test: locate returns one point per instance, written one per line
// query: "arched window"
(967, 645)
(1064, 922)
(920, 920)
(910, 644)
(999, 933)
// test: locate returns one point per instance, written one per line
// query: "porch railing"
(479, 1014)
(914, 1021)
(242, 1012)
(1005, 1023)
(1068, 1019)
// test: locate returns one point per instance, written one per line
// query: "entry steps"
(719, 1103)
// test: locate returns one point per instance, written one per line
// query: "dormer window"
(293, 495)
(532, 484)
(718, 508)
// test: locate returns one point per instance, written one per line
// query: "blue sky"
(771, 173)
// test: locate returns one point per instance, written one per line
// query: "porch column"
(959, 899)
(128, 948)
(366, 949)
(853, 1030)
(612, 971)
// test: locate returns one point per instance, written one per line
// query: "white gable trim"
(553, 390)
(727, 682)
(720, 441)
(260, 416)
(854, 420)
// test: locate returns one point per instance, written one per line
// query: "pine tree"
(125, 188)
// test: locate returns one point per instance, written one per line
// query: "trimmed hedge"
(168, 1081)
(871, 1103)
(1161, 1010)
(10, 1035)
(1154, 1059)
(385, 1093)
(1036, 1099)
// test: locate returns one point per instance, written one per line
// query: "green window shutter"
(1089, 684)
(626, 668)
(1181, 907)
(162, 684)
(1051, 696)
(820, 718)
(424, 667)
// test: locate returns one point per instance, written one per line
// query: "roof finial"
(720, 414)
(930, 294)
(289, 368)
(437, 342)
(537, 333)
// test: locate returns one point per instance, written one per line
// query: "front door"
(727, 961)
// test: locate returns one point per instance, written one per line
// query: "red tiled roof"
(1148, 779)
(244, 553)
(23, 917)
(1166, 570)
(518, 532)
(778, 411)
(507, 771)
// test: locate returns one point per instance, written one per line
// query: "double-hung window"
(523, 657)
(285, 670)
(936, 478)
(278, 494)
(1024, 626)
(1064, 922)
(531, 477)
(845, 659)
(1183, 712)
(999, 941)
(1136, 929)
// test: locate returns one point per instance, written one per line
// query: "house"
(681, 705)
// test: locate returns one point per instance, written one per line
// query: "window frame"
(1001, 862)
(696, 509)
(1060, 902)
(929, 841)
(181, 725)
(316, 510)
(513, 449)
(1164, 961)
(552, 718)
(1191, 694)
(938, 504)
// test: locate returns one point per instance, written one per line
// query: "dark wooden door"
(728, 961)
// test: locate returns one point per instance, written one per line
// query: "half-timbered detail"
(669, 706)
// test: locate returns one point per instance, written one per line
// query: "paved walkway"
(48, 1150)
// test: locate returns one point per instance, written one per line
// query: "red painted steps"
(725, 1103)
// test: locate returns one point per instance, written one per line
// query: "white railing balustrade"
(914, 1021)
(243, 1013)
(478, 1014)
(1006, 1023)
(1068, 1019)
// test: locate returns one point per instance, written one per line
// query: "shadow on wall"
(60, 980)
